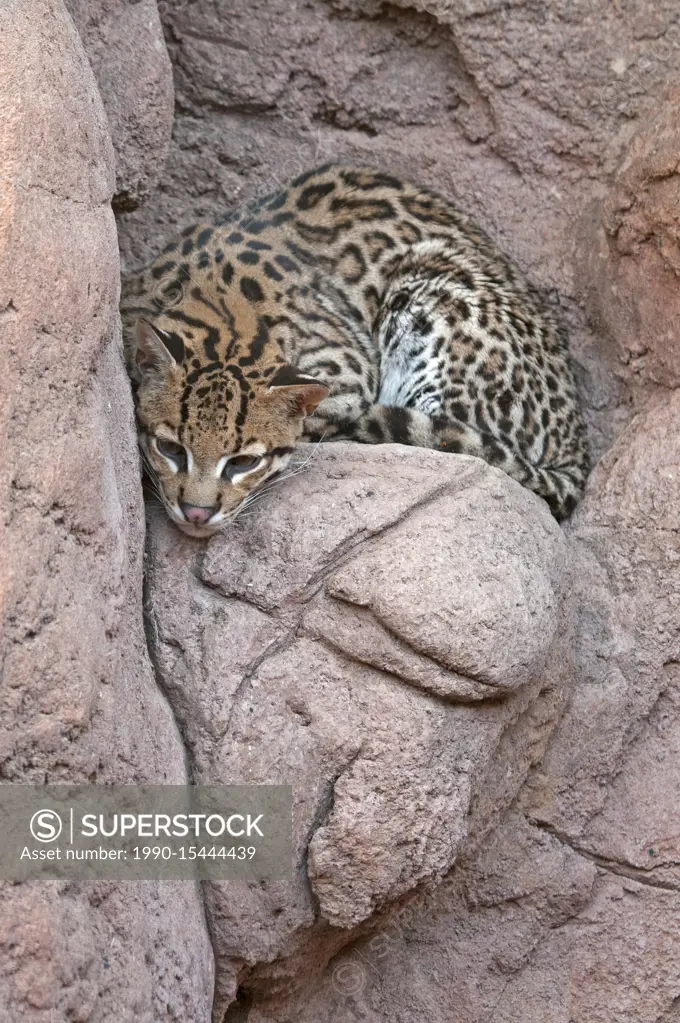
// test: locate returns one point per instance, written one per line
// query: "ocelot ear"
(155, 351)
(300, 392)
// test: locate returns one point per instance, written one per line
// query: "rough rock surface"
(571, 910)
(125, 46)
(78, 700)
(402, 676)
(617, 799)
(633, 266)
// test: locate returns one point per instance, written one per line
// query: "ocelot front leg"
(352, 379)
(381, 424)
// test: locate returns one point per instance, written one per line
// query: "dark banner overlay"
(150, 832)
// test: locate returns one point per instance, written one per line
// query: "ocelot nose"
(197, 514)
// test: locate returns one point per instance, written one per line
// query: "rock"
(533, 931)
(125, 46)
(631, 276)
(570, 909)
(455, 954)
(615, 795)
(557, 129)
(78, 699)
(385, 631)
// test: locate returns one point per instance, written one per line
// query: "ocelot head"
(211, 432)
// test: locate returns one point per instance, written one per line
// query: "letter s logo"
(46, 825)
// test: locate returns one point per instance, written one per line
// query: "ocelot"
(349, 305)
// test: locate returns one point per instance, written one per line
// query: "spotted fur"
(348, 305)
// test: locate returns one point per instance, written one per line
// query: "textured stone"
(392, 731)
(531, 932)
(78, 700)
(124, 43)
(556, 126)
(631, 275)
(609, 782)
(570, 910)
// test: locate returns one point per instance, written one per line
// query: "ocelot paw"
(317, 428)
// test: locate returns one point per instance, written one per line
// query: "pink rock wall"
(78, 698)
(124, 43)
(570, 910)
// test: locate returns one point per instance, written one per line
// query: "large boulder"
(386, 632)
(571, 909)
(78, 698)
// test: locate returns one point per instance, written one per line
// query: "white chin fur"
(192, 528)
(199, 532)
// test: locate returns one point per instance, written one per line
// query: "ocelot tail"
(348, 305)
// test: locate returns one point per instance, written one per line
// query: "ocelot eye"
(245, 461)
(239, 464)
(170, 449)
